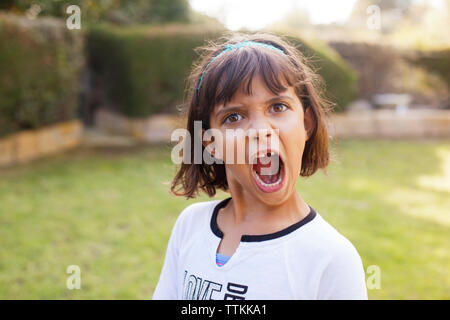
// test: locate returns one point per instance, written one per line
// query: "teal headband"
(229, 47)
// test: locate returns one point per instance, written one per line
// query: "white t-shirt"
(308, 260)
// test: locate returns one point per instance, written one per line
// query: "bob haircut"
(221, 78)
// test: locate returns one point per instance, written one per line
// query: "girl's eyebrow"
(283, 97)
(238, 108)
(228, 109)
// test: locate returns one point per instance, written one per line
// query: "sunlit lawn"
(110, 213)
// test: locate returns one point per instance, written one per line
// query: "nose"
(259, 130)
(261, 135)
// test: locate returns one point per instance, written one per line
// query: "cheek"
(293, 131)
(293, 137)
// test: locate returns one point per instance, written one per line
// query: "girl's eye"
(279, 107)
(232, 118)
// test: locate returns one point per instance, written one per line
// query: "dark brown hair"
(224, 76)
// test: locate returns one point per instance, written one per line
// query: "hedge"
(40, 61)
(340, 80)
(143, 69)
(437, 62)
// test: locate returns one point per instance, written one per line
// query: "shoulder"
(195, 216)
(198, 210)
(342, 273)
(324, 245)
(329, 241)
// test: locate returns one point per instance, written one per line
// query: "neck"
(249, 210)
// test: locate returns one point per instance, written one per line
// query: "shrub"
(143, 69)
(437, 62)
(339, 79)
(40, 62)
(388, 69)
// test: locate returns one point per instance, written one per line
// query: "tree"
(139, 11)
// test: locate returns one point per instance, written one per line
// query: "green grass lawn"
(110, 212)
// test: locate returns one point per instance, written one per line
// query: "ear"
(309, 122)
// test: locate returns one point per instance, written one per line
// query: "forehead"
(237, 70)
(258, 92)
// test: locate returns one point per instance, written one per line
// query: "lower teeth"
(269, 184)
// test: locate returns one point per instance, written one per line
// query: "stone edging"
(28, 145)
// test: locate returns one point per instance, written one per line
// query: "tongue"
(266, 178)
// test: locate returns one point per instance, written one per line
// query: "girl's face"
(264, 119)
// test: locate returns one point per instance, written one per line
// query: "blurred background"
(90, 92)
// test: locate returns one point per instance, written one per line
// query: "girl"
(264, 241)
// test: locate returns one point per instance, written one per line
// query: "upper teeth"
(263, 155)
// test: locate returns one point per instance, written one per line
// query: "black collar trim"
(263, 237)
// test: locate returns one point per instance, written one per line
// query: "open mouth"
(268, 171)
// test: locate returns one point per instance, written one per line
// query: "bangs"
(235, 70)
